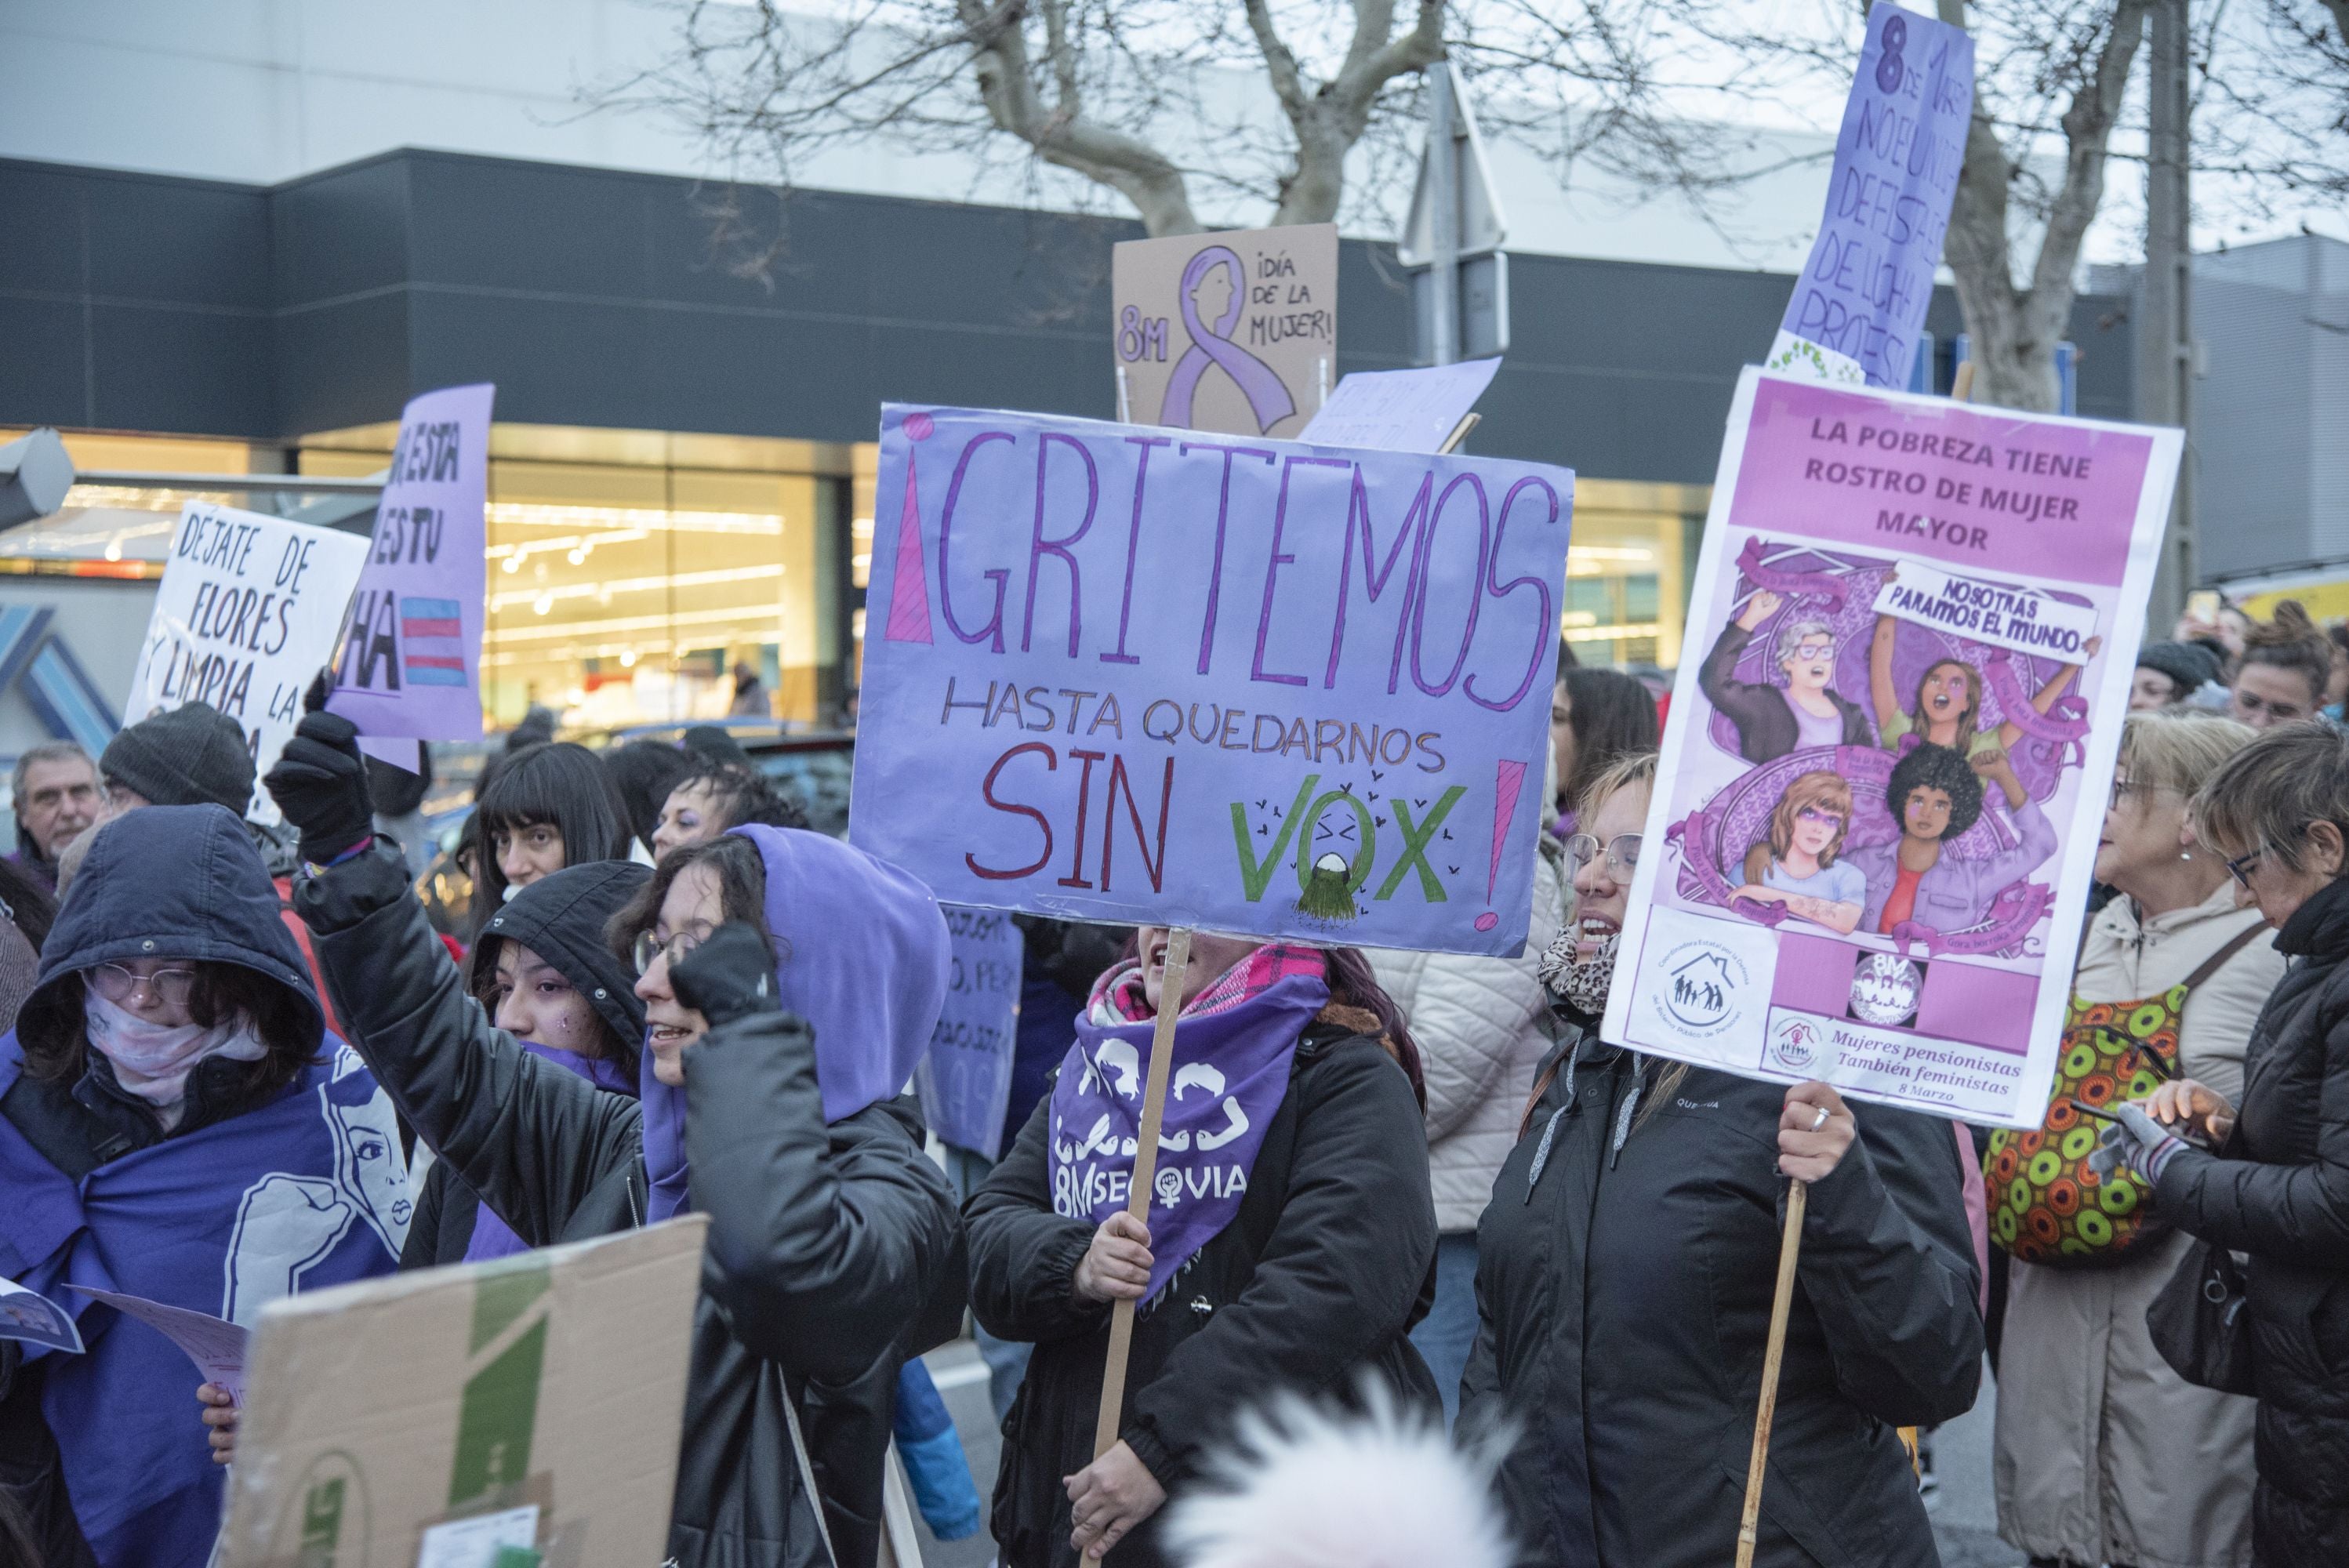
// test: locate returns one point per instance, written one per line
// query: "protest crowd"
(1465, 1210)
(1624, 1153)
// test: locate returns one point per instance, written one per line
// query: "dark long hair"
(743, 797)
(54, 1028)
(741, 873)
(558, 784)
(644, 771)
(1611, 714)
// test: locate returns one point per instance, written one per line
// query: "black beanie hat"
(192, 755)
(2190, 665)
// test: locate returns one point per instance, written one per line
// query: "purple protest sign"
(1860, 301)
(964, 1080)
(1252, 686)
(411, 656)
(1401, 410)
(1878, 808)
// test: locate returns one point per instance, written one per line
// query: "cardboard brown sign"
(1234, 332)
(435, 1416)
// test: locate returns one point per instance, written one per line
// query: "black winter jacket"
(2279, 1192)
(834, 1252)
(1624, 1300)
(1329, 1263)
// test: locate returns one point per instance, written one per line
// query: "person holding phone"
(2273, 1183)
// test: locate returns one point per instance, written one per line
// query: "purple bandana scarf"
(493, 1237)
(1233, 1045)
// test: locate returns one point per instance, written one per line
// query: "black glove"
(731, 975)
(320, 782)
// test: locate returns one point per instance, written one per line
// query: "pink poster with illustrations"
(1893, 733)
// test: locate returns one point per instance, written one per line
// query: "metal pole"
(2165, 338)
(1444, 205)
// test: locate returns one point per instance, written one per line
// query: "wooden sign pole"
(1145, 1172)
(1781, 1304)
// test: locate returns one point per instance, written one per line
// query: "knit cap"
(192, 755)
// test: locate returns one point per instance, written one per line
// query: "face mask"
(1580, 982)
(152, 1060)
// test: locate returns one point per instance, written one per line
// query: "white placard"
(247, 613)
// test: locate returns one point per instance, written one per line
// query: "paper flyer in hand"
(33, 1319)
(1892, 741)
(216, 1345)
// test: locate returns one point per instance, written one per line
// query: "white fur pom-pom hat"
(1307, 1487)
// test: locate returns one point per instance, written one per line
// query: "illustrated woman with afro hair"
(1935, 795)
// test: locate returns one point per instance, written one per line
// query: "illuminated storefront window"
(1627, 571)
(640, 577)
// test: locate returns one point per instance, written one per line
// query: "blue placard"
(965, 1078)
(1864, 291)
(1146, 676)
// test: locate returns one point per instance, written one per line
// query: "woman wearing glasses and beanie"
(175, 1123)
(1625, 1270)
(790, 983)
(2266, 1171)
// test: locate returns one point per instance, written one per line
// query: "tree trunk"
(2014, 331)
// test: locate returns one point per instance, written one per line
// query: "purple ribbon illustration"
(1268, 400)
(1827, 585)
(2014, 705)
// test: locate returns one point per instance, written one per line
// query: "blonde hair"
(1631, 768)
(2178, 749)
(1820, 787)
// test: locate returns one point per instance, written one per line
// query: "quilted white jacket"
(1480, 1027)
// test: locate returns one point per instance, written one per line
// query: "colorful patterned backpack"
(2046, 1206)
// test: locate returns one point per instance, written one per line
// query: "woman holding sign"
(1290, 1246)
(1625, 1275)
(790, 983)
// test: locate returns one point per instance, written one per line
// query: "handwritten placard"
(1401, 410)
(1235, 332)
(1860, 301)
(1119, 674)
(965, 1080)
(2000, 615)
(412, 654)
(247, 614)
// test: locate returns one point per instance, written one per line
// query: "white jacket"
(1480, 1027)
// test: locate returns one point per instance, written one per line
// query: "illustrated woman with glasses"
(175, 1123)
(789, 983)
(1807, 712)
(2265, 1173)
(1623, 1271)
(1797, 865)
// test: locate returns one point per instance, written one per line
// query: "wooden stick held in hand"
(1146, 1171)
(1781, 1304)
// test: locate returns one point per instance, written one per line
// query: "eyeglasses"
(2239, 868)
(172, 987)
(1812, 814)
(649, 946)
(1622, 853)
(1806, 652)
